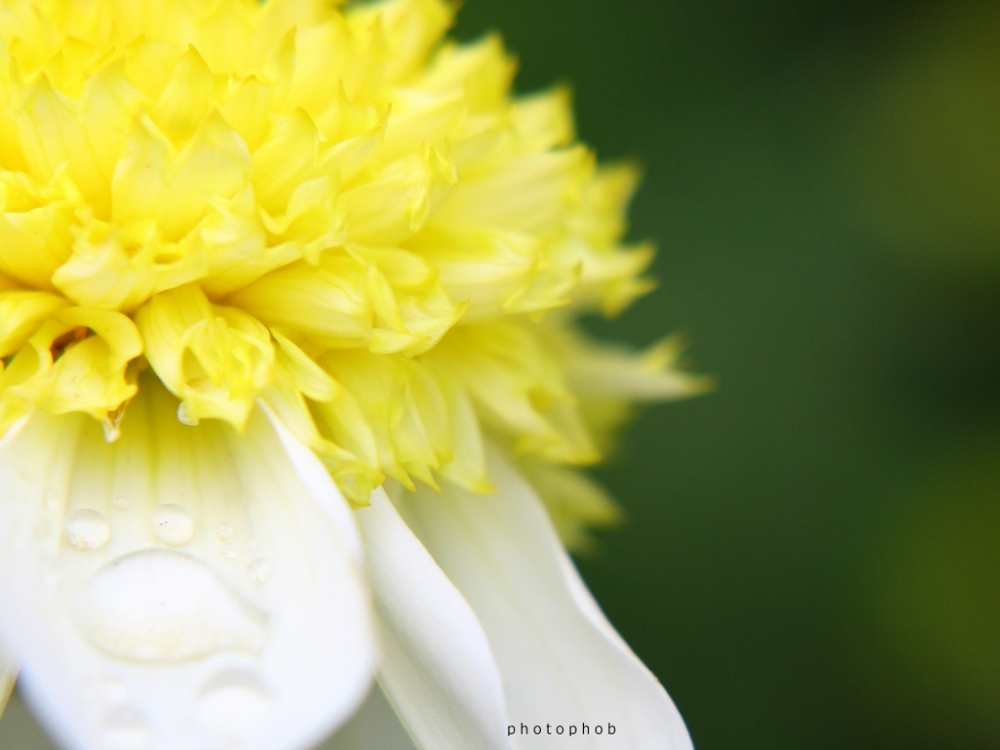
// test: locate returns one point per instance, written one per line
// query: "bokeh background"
(812, 552)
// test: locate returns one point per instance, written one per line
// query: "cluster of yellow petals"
(333, 211)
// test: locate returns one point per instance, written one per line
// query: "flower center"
(332, 213)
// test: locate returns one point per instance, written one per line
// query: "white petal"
(178, 589)
(322, 488)
(374, 727)
(561, 661)
(437, 667)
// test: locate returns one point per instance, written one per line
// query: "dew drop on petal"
(259, 570)
(184, 415)
(120, 502)
(86, 529)
(234, 703)
(160, 605)
(172, 524)
(224, 530)
(112, 431)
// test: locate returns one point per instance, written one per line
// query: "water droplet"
(125, 728)
(112, 431)
(120, 502)
(172, 524)
(159, 605)
(234, 703)
(86, 529)
(259, 570)
(184, 415)
(224, 530)
(229, 551)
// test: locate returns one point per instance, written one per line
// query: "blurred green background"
(812, 556)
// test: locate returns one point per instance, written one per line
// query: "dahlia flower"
(291, 393)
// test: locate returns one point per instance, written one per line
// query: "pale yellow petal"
(77, 361)
(215, 359)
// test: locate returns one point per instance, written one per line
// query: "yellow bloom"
(263, 245)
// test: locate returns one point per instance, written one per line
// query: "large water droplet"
(259, 570)
(172, 524)
(159, 605)
(86, 529)
(234, 703)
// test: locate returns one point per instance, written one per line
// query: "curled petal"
(77, 361)
(437, 667)
(215, 359)
(560, 660)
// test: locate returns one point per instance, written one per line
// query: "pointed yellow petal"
(76, 361)
(215, 359)
(35, 225)
(21, 314)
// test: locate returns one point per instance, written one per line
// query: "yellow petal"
(325, 301)
(119, 267)
(530, 193)
(215, 359)
(399, 199)
(35, 225)
(518, 388)
(153, 180)
(409, 29)
(77, 361)
(186, 99)
(51, 134)
(21, 313)
(237, 247)
(544, 120)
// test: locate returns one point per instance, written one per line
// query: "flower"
(291, 393)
